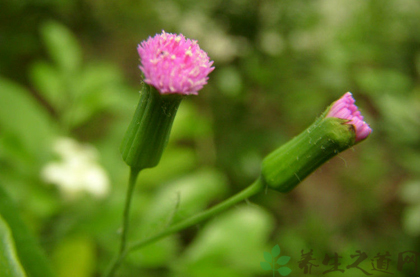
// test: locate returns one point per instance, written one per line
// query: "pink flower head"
(344, 108)
(173, 64)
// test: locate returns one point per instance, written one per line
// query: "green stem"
(253, 189)
(134, 172)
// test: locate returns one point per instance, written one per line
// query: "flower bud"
(339, 127)
(344, 108)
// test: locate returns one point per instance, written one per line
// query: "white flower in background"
(77, 170)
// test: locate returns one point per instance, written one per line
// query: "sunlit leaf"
(75, 256)
(175, 201)
(62, 46)
(236, 237)
(9, 262)
(98, 87)
(49, 84)
(29, 252)
(25, 121)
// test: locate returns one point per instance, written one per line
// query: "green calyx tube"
(287, 166)
(149, 130)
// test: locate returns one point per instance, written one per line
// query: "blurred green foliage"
(70, 69)
(9, 264)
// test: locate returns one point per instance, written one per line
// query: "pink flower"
(173, 64)
(344, 108)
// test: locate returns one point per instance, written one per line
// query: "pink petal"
(344, 108)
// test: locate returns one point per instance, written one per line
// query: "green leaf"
(284, 271)
(75, 256)
(380, 81)
(97, 90)
(400, 118)
(265, 265)
(283, 260)
(62, 46)
(175, 162)
(49, 84)
(29, 252)
(9, 262)
(175, 201)
(190, 123)
(157, 254)
(182, 198)
(268, 257)
(235, 237)
(25, 121)
(275, 251)
(205, 269)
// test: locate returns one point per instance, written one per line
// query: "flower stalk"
(126, 215)
(173, 67)
(253, 189)
(115, 264)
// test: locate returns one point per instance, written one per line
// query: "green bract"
(149, 130)
(287, 166)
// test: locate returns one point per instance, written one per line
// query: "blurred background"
(69, 83)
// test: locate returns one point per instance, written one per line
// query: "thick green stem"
(134, 172)
(256, 187)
